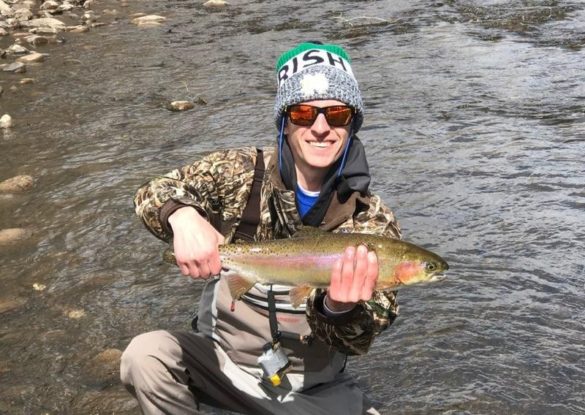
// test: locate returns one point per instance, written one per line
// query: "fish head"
(418, 269)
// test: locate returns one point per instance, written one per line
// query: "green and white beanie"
(313, 71)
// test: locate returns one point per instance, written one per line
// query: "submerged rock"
(17, 184)
(9, 304)
(104, 366)
(15, 67)
(32, 58)
(149, 20)
(17, 50)
(75, 314)
(78, 29)
(180, 105)
(53, 25)
(6, 121)
(215, 3)
(14, 235)
(37, 40)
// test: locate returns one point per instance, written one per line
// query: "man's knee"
(144, 357)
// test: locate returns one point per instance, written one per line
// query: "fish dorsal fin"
(308, 232)
(298, 295)
(238, 285)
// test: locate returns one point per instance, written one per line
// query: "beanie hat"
(314, 71)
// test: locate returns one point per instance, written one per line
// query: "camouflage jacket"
(218, 186)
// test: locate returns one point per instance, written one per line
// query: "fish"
(305, 261)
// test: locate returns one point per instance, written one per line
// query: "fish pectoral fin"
(238, 285)
(299, 294)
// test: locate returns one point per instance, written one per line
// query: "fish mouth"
(438, 277)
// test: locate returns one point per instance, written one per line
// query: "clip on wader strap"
(251, 216)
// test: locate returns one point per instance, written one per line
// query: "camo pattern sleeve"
(217, 184)
(353, 333)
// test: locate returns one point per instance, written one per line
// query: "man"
(260, 355)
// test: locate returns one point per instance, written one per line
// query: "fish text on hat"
(310, 58)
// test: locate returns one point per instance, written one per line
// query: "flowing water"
(475, 131)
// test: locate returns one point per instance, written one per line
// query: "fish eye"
(431, 266)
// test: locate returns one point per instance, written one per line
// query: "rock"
(49, 5)
(17, 50)
(78, 29)
(9, 304)
(88, 4)
(65, 7)
(150, 20)
(89, 16)
(28, 4)
(17, 184)
(32, 58)
(14, 235)
(1, 90)
(15, 67)
(5, 9)
(3, 32)
(104, 366)
(23, 15)
(37, 40)
(50, 24)
(6, 121)
(215, 3)
(180, 106)
(39, 287)
(26, 81)
(75, 314)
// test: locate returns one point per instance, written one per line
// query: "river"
(475, 133)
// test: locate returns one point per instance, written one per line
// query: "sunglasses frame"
(320, 110)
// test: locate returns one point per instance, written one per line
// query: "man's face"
(319, 145)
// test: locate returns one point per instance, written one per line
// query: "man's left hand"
(353, 279)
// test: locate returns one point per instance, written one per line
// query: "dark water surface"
(475, 131)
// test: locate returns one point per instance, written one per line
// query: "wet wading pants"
(171, 372)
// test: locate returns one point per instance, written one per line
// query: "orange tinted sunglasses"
(305, 115)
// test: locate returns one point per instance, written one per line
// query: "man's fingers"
(184, 268)
(335, 285)
(359, 274)
(347, 267)
(371, 278)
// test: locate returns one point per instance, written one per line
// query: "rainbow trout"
(305, 262)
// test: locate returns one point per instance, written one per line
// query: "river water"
(475, 132)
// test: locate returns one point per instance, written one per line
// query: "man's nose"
(320, 126)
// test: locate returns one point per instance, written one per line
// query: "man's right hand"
(195, 244)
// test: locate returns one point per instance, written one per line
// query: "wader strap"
(274, 331)
(251, 216)
(272, 317)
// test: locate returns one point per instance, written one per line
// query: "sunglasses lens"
(338, 116)
(303, 115)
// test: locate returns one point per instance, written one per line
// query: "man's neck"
(312, 180)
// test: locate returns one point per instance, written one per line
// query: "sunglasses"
(305, 115)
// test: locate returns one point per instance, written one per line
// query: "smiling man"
(261, 355)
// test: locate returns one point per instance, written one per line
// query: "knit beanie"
(314, 71)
